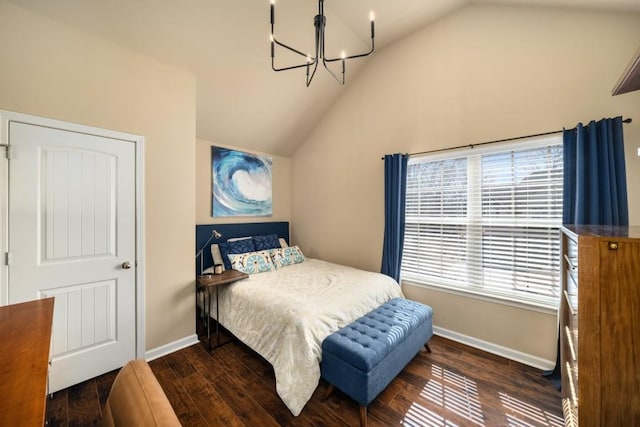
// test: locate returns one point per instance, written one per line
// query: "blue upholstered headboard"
(228, 231)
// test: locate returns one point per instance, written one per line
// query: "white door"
(72, 228)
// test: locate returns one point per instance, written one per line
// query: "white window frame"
(473, 156)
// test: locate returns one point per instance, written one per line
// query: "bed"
(285, 314)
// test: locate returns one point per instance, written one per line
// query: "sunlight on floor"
(454, 392)
(419, 416)
(459, 395)
(524, 414)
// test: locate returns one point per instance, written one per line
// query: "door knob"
(126, 265)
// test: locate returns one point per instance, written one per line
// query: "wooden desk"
(25, 341)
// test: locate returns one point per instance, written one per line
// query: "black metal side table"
(205, 284)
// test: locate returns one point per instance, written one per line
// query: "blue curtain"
(395, 196)
(595, 180)
(595, 183)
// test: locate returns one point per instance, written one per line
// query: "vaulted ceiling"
(225, 44)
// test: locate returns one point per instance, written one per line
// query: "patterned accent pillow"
(252, 262)
(237, 247)
(283, 257)
(263, 243)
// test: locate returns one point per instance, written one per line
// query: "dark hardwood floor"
(455, 385)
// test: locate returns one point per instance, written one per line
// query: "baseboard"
(170, 347)
(518, 356)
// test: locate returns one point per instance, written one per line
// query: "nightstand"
(205, 284)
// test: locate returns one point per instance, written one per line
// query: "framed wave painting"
(241, 183)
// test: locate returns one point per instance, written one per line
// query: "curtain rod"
(495, 141)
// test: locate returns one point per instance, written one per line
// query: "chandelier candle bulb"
(372, 18)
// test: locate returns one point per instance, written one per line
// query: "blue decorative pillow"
(269, 241)
(252, 262)
(283, 257)
(236, 247)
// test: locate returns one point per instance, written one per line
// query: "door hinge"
(8, 151)
(7, 258)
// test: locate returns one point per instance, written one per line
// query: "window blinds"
(487, 223)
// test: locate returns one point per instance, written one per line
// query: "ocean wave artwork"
(241, 183)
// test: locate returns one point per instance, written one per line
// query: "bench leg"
(363, 416)
(328, 392)
(426, 346)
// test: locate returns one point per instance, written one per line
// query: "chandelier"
(311, 61)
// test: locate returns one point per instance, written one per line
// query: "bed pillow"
(235, 239)
(263, 243)
(238, 247)
(283, 257)
(252, 262)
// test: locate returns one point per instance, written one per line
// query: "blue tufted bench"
(362, 358)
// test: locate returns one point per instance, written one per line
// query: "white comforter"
(284, 316)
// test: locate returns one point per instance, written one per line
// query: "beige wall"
(50, 70)
(484, 73)
(281, 186)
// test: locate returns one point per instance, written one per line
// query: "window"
(486, 221)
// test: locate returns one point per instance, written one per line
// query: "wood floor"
(455, 385)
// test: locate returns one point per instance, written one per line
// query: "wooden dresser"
(600, 325)
(25, 340)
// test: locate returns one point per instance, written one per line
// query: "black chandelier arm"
(360, 55)
(274, 40)
(324, 62)
(346, 58)
(315, 68)
(292, 67)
